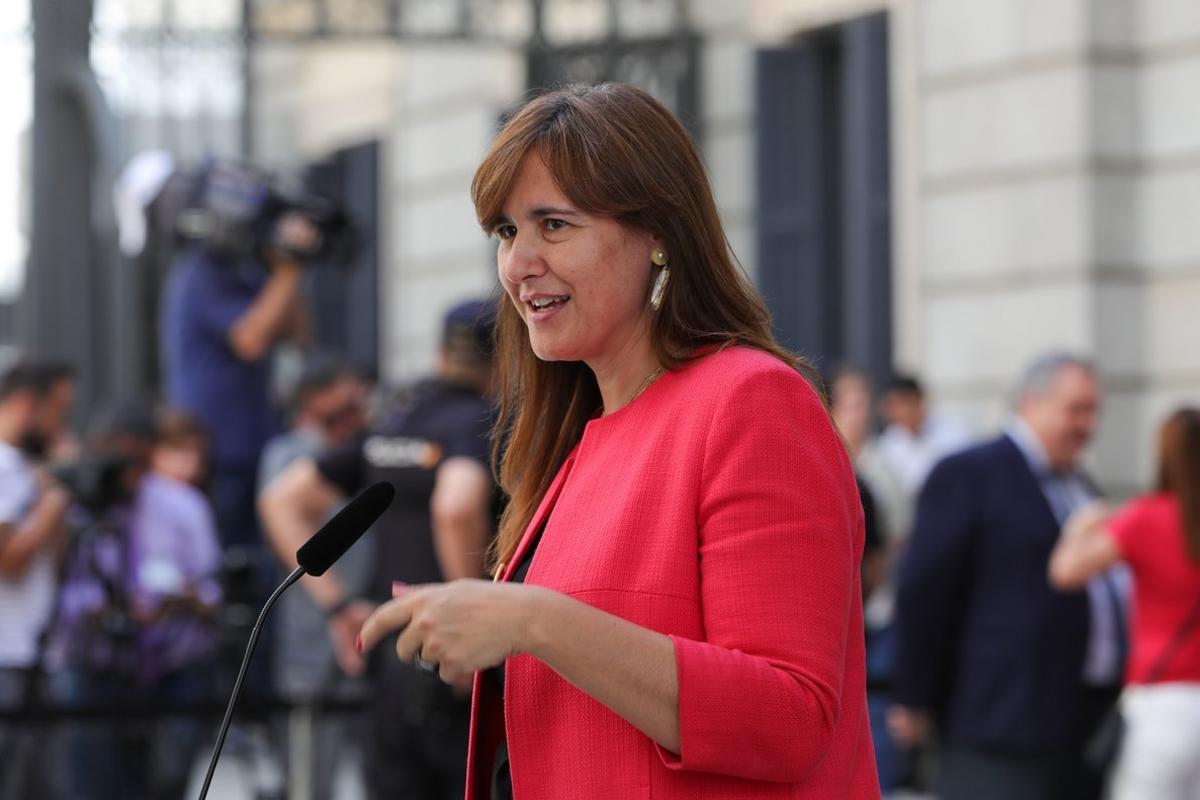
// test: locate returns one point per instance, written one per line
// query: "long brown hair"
(615, 151)
(1179, 471)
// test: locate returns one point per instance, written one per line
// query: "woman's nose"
(523, 258)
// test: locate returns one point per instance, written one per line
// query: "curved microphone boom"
(316, 555)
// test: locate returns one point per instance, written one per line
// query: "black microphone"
(347, 526)
(316, 555)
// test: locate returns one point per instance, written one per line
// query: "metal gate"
(178, 75)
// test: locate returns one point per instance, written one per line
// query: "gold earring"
(658, 257)
(660, 287)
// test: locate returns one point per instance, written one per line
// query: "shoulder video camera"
(236, 211)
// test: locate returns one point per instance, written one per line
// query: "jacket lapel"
(487, 711)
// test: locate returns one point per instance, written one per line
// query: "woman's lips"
(543, 308)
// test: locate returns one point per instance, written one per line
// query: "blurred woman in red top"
(677, 608)
(1158, 535)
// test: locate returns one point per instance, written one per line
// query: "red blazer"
(719, 508)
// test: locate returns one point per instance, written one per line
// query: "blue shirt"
(1108, 592)
(202, 300)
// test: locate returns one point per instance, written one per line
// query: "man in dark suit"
(1013, 674)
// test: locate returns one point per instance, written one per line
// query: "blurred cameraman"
(35, 400)
(221, 317)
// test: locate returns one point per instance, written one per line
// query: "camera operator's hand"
(294, 234)
(43, 527)
(269, 317)
(51, 491)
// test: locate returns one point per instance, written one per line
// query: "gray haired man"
(1014, 675)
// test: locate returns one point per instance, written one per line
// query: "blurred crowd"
(134, 559)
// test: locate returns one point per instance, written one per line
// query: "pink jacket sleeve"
(780, 539)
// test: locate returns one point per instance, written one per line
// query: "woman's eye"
(554, 224)
(505, 231)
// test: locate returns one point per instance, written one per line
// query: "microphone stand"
(296, 574)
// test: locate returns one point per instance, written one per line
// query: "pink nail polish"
(358, 644)
(398, 587)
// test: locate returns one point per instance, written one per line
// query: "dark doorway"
(824, 194)
(345, 299)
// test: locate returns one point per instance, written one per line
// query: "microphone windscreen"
(347, 527)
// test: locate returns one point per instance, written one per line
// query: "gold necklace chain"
(645, 385)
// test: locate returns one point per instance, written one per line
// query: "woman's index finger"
(392, 616)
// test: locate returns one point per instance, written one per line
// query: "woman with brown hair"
(1158, 535)
(676, 612)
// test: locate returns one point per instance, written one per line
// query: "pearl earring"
(658, 257)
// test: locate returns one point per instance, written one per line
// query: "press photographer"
(135, 621)
(35, 400)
